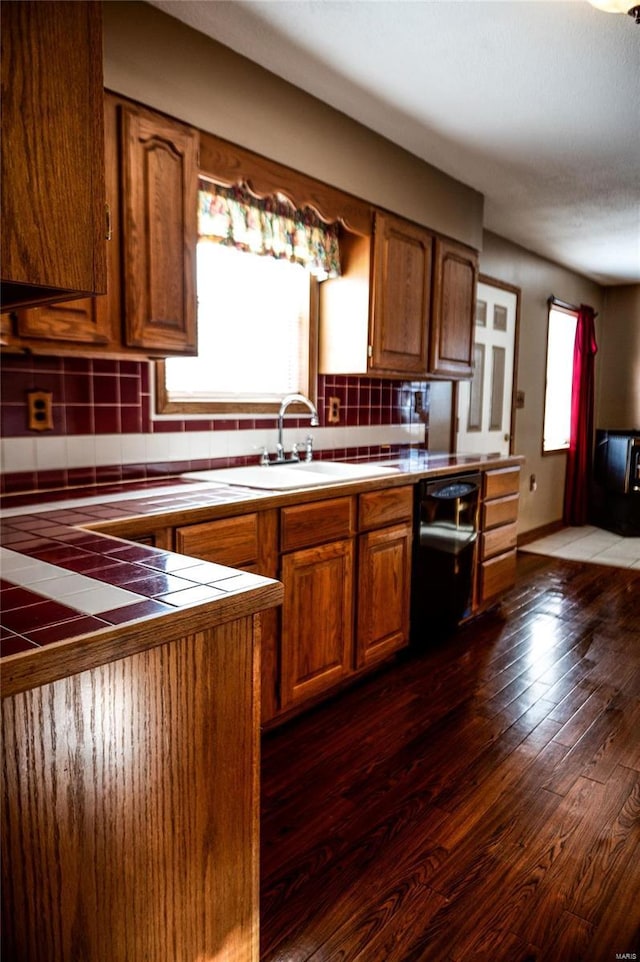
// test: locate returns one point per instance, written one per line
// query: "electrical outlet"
(334, 410)
(533, 484)
(418, 402)
(40, 410)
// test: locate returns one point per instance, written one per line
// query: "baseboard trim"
(540, 532)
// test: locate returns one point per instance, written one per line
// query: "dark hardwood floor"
(479, 801)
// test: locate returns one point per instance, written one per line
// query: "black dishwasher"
(444, 548)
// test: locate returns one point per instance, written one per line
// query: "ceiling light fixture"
(617, 6)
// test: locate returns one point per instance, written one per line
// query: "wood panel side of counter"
(130, 823)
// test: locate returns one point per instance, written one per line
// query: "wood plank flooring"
(478, 801)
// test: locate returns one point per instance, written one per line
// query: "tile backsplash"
(105, 430)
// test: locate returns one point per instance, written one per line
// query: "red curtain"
(580, 455)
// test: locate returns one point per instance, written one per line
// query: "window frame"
(164, 404)
(571, 312)
(226, 163)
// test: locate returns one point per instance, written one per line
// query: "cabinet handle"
(107, 216)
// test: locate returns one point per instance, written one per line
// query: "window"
(561, 335)
(253, 331)
(256, 264)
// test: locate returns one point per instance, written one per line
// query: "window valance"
(270, 226)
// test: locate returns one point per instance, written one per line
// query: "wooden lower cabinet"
(131, 807)
(498, 535)
(250, 542)
(384, 587)
(344, 609)
(317, 620)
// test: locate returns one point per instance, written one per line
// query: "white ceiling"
(535, 103)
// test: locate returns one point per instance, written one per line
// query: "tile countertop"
(66, 586)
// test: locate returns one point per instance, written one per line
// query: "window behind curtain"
(561, 335)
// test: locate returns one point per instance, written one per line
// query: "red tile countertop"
(61, 582)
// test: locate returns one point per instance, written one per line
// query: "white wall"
(538, 279)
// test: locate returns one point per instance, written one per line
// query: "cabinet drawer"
(499, 540)
(305, 525)
(377, 508)
(230, 541)
(499, 483)
(497, 575)
(502, 511)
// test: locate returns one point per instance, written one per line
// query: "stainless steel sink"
(303, 474)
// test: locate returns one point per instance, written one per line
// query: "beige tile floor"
(588, 543)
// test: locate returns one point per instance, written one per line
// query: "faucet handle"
(295, 455)
(264, 457)
(309, 448)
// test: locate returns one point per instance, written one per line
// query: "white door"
(484, 403)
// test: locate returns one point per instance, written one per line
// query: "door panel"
(485, 403)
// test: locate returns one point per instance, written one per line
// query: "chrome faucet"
(315, 421)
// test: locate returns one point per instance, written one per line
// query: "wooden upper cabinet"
(454, 294)
(403, 307)
(151, 180)
(53, 194)
(83, 321)
(159, 231)
(374, 319)
(401, 296)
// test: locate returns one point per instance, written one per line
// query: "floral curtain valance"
(271, 227)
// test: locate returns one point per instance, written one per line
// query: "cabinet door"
(317, 620)
(454, 294)
(78, 322)
(159, 204)
(384, 584)
(401, 296)
(53, 223)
